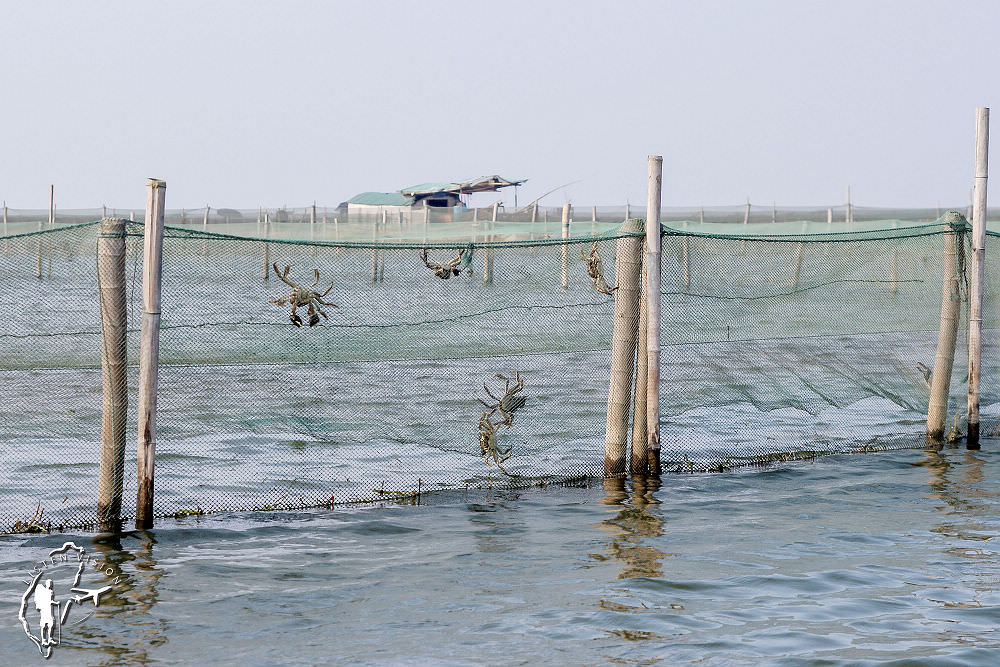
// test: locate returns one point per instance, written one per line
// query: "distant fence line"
(755, 213)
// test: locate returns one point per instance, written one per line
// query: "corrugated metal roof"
(481, 184)
(381, 199)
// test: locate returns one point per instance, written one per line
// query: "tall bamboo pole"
(639, 463)
(653, 256)
(628, 267)
(976, 271)
(267, 260)
(951, 304)
(565, 247)
(488, 252)
(114, 364)
(149, 353)
(38, 252)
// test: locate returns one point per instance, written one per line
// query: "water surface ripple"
(850, 559)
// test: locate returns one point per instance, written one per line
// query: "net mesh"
(779, 341)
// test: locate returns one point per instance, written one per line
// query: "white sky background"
(240, 104)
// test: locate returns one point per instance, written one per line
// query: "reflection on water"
(123, 628)
(958, 484)
(845, 560)
(637, 518)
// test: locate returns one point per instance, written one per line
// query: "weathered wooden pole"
(639, 462)
(849, 214)
(653, 195)
(829, 216)
(951, 304)
(534, 211)
(52, 206)
(114, 364)
(375, 248)
(149, 351)
(204, 221)
(267, 260)
(628, 268)
(565, 247)
(628, 210)
(701, 215)
(488, 252)
(38, 252)
(746, 212)
(976, 271)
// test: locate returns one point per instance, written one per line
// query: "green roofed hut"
(435, 195)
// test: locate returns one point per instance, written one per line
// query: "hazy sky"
(239, 104)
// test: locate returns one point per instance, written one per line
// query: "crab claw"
(296, 320)
(313, 320)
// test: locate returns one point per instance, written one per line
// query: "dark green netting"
(777, 344)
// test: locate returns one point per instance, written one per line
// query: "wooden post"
(893, 262)
(774, 212)
(52, 206)
(204, 228)
(976, 271)
(565, 247)
(639, 462)
(628, 267)
(701, 215)
(653, 193)
(685, 256)
(593, 214)
(149, 352)
(374, 248)
(746, 212)
(951, 304)
(312, 217)
(488, 252)
(829, 216)
(848, 214)
(38, 252)
(267, 260)
(114, 364)
(628, 211)
(534, 211)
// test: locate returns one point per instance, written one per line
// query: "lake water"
(847, 559)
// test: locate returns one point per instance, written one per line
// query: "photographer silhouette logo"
(64, 573)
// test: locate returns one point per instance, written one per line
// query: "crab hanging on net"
(303, 296)
(445, 270)
(507, 404)
(595, 269)
(491, 451)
